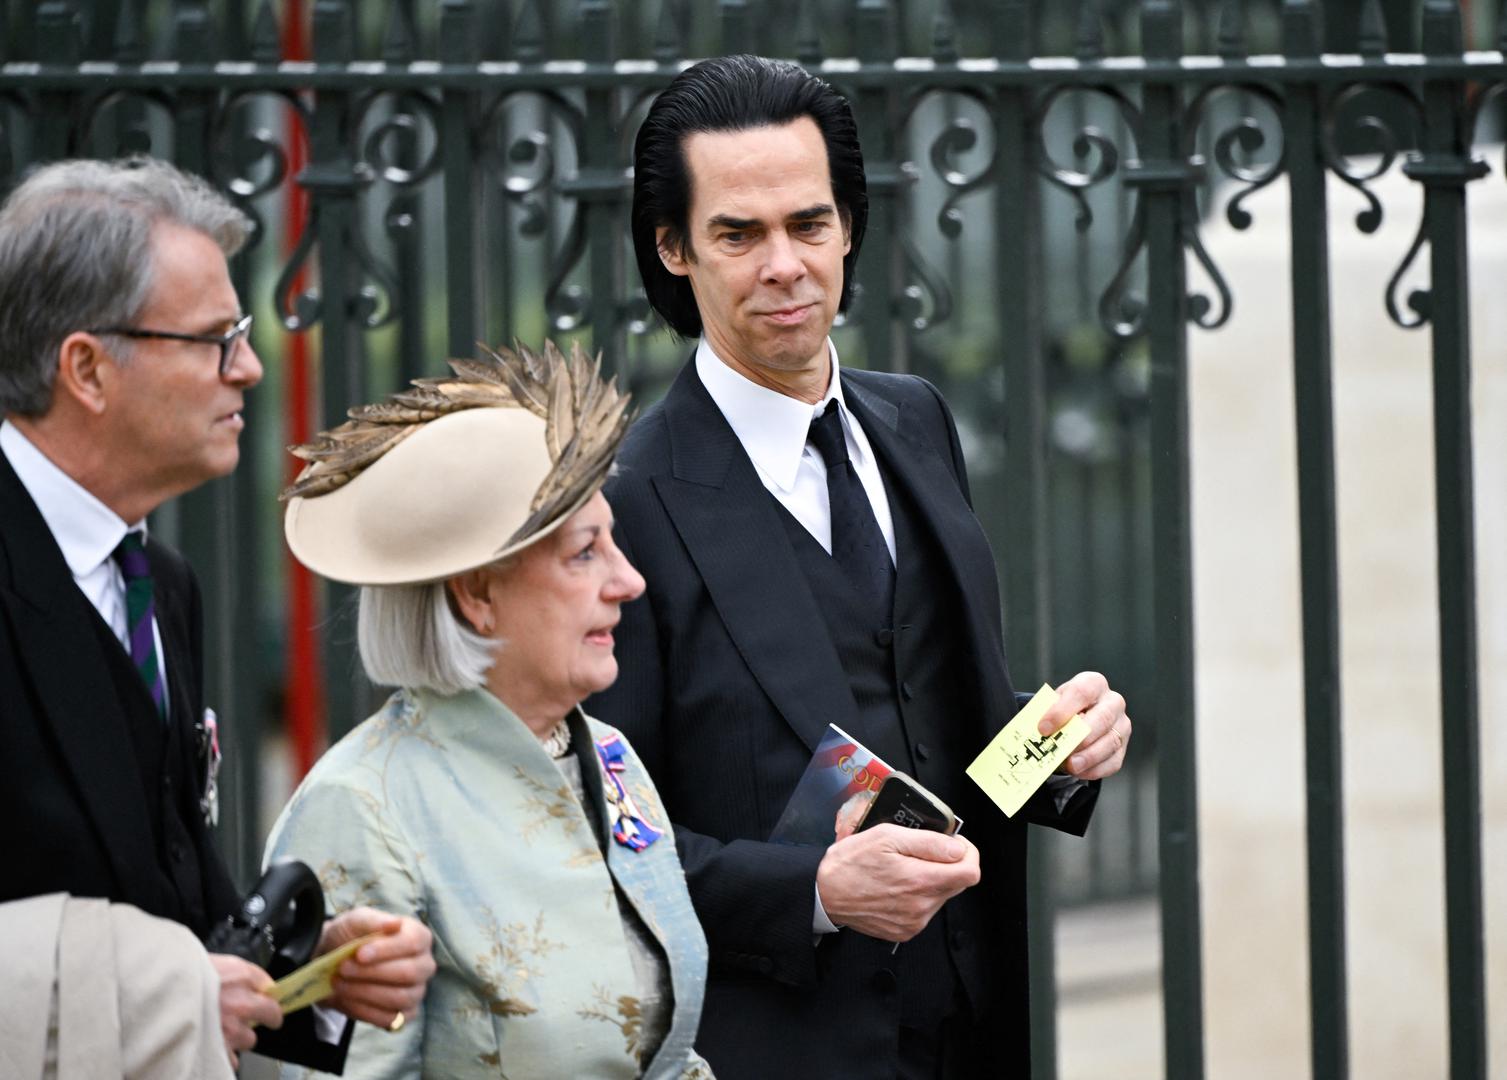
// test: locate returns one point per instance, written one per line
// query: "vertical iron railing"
(1444, 167)
(1164, 179)
(1313, 407)
(1027, 548)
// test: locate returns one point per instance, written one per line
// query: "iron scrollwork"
(1121, 312)
(1389, 146)
(134, 136)
(1244, 138)
(535, 152)
(239, 151)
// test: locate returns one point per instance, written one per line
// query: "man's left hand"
(384, 977)
(1102, 751)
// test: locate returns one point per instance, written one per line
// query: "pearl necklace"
(557, 743)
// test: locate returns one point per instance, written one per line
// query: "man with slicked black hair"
(812, 559)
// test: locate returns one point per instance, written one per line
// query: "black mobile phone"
(902, 801)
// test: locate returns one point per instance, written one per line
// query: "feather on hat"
(457, 471)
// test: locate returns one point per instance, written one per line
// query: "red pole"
(304, 692)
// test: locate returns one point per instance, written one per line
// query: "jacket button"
(167, 783)
(176, 851)
(906, 692)
(765, 965)
(884, 637)
(923, 752)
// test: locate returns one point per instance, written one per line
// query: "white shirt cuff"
(329, 1024)
(820, 924)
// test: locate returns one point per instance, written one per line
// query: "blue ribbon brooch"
(630, 828)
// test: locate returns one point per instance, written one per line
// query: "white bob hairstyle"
(410, 635)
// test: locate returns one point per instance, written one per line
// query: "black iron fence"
(427, 176)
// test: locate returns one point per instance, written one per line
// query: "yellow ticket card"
(311, 983)
(1018, 760)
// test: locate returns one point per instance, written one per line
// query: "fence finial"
(596, 30)
(944, 36)
(266, 39)
(193, 36)
(1012, 30)
(876, 30)
(398, 43)
(59, 35)
(1232, 30)
(129, 46)
(528, 33)
(1302, 29)
(737, 26)
(334, 34)
(1088, 42)
(1373, 29)
(1162, 29)
(808, 41)
(667, 33)
(1442, 32)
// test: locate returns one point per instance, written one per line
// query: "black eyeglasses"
(226, 341)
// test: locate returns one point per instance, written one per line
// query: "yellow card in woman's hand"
(1018, 760)
(311, 983)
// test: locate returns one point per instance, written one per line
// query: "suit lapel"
(728, 522)
(60, 652)
(912, 458)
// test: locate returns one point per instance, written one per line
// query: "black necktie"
(857, 543)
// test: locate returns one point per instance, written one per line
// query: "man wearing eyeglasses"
(124, 364)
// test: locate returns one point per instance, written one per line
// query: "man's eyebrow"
(726, 221)
(810, 213)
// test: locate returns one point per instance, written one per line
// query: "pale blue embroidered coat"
(448, 808)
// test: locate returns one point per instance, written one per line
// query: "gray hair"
(410, 636)
(76, 253)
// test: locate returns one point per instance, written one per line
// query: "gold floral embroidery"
(495, 1061)
(505, 971)
(629, 1019)
(343, 893)
(546, 804)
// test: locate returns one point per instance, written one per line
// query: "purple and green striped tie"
(137, 571)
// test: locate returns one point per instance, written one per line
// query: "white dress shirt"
(86, 530)
(774, 430)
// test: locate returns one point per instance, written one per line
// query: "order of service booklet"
(841, 768)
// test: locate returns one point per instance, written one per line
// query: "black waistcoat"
(169, 793)
(907, 671)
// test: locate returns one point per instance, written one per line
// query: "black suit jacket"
(78, 817)
(727, 681)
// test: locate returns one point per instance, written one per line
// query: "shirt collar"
(772, 427)
(85, 529)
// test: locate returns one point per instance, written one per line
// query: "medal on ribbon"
(629, 828)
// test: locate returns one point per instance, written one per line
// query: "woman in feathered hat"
(480, 797)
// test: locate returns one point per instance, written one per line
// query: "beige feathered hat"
(457, 471)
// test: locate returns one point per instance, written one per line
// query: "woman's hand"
(384, 978)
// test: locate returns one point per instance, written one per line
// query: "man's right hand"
(888, 882)
(242, 1003)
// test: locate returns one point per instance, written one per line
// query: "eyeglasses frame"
(226, 341)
